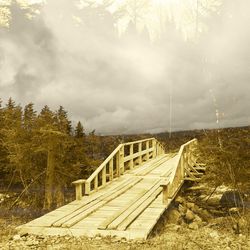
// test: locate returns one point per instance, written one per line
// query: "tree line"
(42, 153)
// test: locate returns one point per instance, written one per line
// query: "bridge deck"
(128, 207)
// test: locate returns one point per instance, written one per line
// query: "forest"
(42, 153)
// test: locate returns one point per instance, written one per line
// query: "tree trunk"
(59, 195)
(49, 182)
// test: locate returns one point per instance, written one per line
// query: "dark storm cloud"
(123, 85)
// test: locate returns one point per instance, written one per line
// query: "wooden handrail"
(178, 174)
(98, 170)
(136, 142)
(117, 163)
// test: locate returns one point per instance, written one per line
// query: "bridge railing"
(125, 157)
(174, 183)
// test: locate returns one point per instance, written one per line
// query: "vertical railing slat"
(131, 152)
(121, 159)
(104, 176)
(96, 182)
(147, 148)
(111, 169)
(117, 159)
(139, 150)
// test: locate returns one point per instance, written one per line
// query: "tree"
(29, 117)
(225, 154)
(79, 130)
(63, 123)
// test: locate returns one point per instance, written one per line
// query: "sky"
(120, 78)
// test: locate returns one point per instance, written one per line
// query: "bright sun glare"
(154, 15)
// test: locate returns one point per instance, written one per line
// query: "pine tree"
(10, 104)
(79, 130)
(29, 117)
(64, 125)
(12, 136)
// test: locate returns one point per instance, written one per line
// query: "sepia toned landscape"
(124, 124)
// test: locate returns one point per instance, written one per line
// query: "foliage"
(227, 155)
(42, 154)
(225, 152)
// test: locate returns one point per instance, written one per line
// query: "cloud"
(123, 85)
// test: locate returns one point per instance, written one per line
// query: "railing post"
(157, 148)
(131, 152)
(79, 192)
(139, 150)
(111, 169)
(165, 192)
(154, 148)
(78, 188)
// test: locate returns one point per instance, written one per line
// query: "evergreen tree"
(29, 117)
(79, 130)
(64, 125)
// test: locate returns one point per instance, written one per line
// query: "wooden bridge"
(126, 195)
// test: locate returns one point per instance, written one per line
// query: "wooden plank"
(121, 217)
(82, 215)
(109, 220)
(89, 203)
(153, 166)
(148, 164)
(138, 210)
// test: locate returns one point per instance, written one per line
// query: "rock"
(195, 208)
(214, 234)
(214, 200)
(217, 212)
(24, 234)
(17, 237)
(197, 219)
(193, 226)
(204, 214)
(180, 200)
(234, 210)
(176, 228)
(242, 225)
(182, 209)
(231, 199)
(173, 216)
(173, 227)
(190, 205)
(194, 188)
(30, 243)
(202, 197)
(189, 216)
